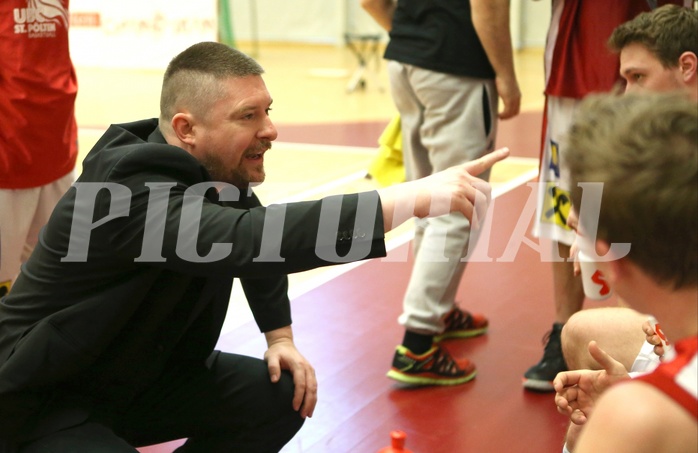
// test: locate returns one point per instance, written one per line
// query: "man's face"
(642, 71)
(236, 131)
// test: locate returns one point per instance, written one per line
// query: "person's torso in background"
(577, 58)
(438, 35)
(38, 87)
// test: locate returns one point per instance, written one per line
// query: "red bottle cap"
(397, 443)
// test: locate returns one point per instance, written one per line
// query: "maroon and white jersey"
(678, 378)
(577, 58)
(38, 86)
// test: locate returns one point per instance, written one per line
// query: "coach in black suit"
(107, 337)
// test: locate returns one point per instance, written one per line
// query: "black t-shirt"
(438, 35)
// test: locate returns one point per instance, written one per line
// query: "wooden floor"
(345, 318)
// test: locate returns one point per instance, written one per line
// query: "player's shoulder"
(639, 411)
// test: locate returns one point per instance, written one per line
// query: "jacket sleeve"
(268, 300)
(266, 296)
(190, 230)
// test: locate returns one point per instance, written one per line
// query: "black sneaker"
(539, 378)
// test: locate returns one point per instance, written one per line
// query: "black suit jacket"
(121, 284)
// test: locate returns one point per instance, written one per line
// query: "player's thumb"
(607, 362)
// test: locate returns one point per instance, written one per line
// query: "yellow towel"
(387, 167)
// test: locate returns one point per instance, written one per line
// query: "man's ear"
(183, 127)
(688, 63)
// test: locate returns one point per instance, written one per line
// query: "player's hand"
(510, 94)
(576, 391)
(653, 338)
(457, 189)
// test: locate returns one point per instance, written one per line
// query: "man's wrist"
(279, 335)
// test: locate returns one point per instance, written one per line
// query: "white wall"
(134, 33)
(305, 21)
(137, 34)
(533, 22)
(326, 21)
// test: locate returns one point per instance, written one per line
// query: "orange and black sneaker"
(462, 324)
(434, 367)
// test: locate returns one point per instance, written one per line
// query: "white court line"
(522, 179)
(239, 313)
(300, 289)
(297, 289)
(311, 194)
(286, 146)
(293, 146)
(393, 243)
(497, 191)
(323, 188)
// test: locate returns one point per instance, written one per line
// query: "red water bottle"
(397, 443)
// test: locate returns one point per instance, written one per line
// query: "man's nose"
(268, 131)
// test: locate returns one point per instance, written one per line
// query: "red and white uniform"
(38, 86)
(577, 58)
(678, 378)
(577, 63)
(38, 137)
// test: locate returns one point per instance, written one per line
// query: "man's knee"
(575, 340)
(617, 330)
(264, 427)
(271, 415)
(281, 404)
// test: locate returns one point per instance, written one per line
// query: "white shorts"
(23, 213)
(645, 362)
(554, 200)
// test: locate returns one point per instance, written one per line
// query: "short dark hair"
(667, 32)
(190, 77)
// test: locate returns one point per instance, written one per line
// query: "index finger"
(477, 166)
(565, 379)
(649, 331)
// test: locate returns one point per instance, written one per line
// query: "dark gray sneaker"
(539, 378)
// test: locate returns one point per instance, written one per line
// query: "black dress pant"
(230, 405)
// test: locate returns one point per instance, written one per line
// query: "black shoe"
(539, 378)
